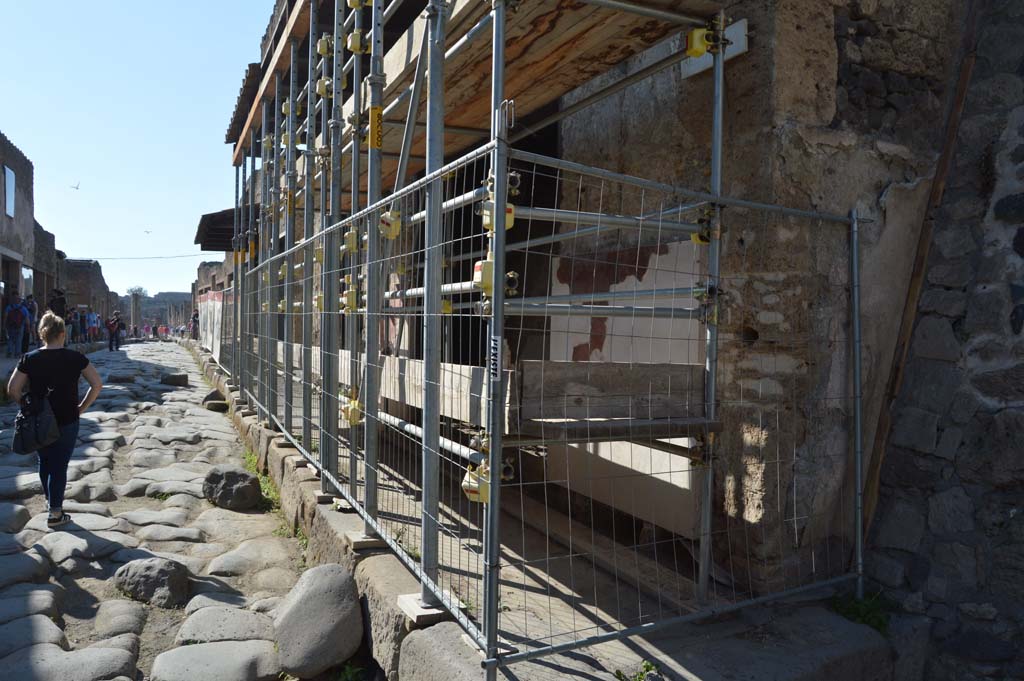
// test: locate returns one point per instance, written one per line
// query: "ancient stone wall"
(84, 285)
(836, 106)
(948, 538)
(17, 233)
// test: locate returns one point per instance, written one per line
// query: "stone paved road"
(134, 491)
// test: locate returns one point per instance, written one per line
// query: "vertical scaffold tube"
(289, 241)
(252, 242)
(309, 189)
(273, 286)
(241, 289)
(329, 280)
(496, 333)
(352, 331)
(233, 326)
(858, 443)
(266, 144)
(714, 255)
(432, 277)
(374, 172)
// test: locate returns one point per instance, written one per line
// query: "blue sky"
(131, 99)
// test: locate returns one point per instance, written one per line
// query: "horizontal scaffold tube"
(583, 169)
(652, 12)
(602, 219)
(688, 292)
(462, 451)
(520, 309)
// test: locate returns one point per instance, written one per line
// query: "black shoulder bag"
(35, 426)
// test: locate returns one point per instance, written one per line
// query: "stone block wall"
(84, 285)
(948, 538)
(17, 234)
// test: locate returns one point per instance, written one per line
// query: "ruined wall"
(84, 285)
(17, 234)
(948, 538)
(836, 106)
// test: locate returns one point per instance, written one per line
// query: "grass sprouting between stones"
(872, 611)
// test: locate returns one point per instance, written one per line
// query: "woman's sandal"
(57, 522)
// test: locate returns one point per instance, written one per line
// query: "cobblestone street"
(135, 491)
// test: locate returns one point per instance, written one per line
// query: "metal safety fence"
(546, 386)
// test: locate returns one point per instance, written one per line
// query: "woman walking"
(53, 371)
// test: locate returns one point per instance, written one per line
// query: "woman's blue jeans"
(53, 465)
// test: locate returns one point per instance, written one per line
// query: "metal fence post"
(496, 333)
(374, 171)
(235, 238)
(432, 277)
(714, 254)
(858, 444)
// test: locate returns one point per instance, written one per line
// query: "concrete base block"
(324, 498)
(357, 541)
(420, 615)
(342, 506)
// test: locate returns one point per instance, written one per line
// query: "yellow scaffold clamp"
(356, 42)
(265, 277)
(390, 224)
(298, 269)
(318, 255)
(297, 306)
(401, 268)
(348, 301)
(352, 412)
(487, 213)
(483, 275)
(285, 139)
(325, 46)
(282, 271)
(325, 87)
(356, 4)
(282, 306)
(446, 307)
(320, 302)
(698, 42)
(265, 307)
(476, 484)
(349, 241)
(701, 238)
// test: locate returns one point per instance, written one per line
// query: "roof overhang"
(215, 230)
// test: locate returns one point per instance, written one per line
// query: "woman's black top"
(57, 370)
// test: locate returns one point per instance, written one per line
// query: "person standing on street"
(114, 331)
(16, 325)
(33, 313)
(53, 371)
(58, 303)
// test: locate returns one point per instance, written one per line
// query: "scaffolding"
(425, 362)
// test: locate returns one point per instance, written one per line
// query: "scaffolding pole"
(289, 239)
(374, 171)
(352, 331)
(264, 237)
(432, 278)
(714, 255)
(309, 183)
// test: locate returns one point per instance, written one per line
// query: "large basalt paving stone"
(221, 661)
(219, 623)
